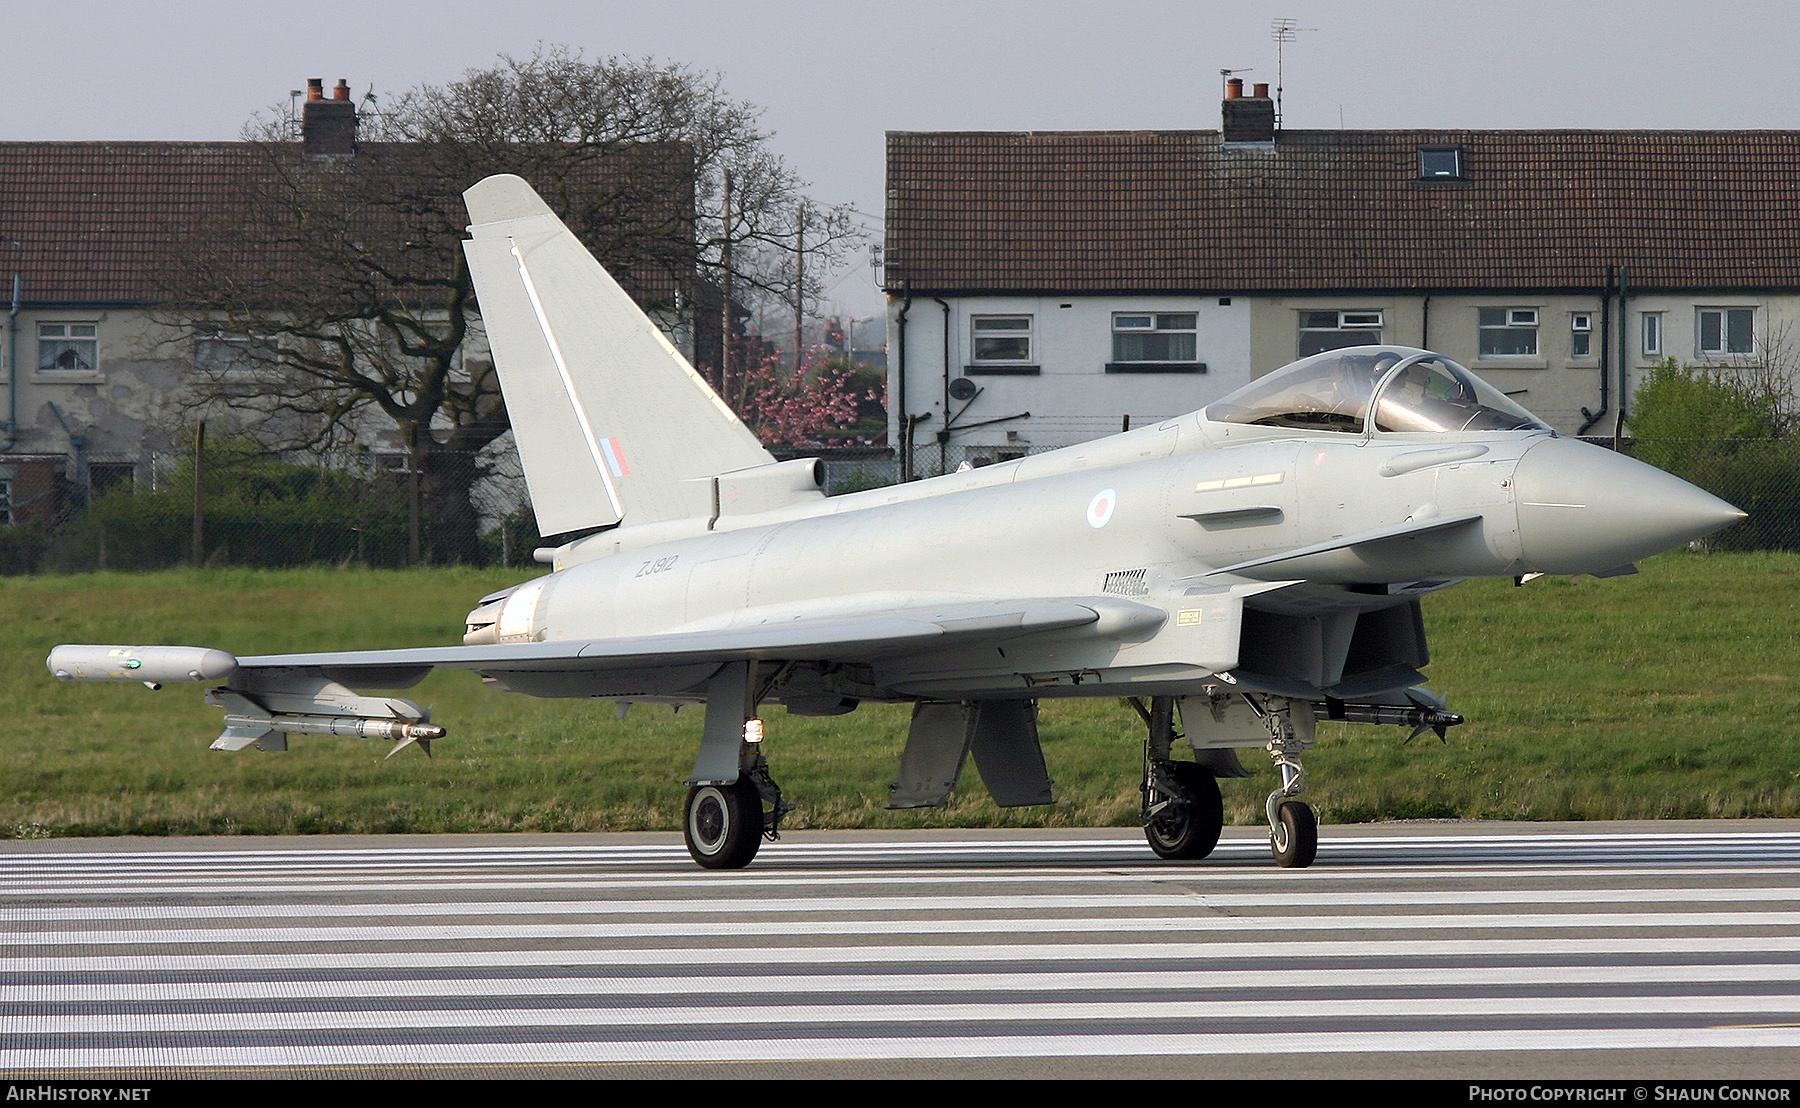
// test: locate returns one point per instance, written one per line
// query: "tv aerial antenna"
(1283, 32)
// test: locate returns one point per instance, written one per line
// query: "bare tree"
(331, 295)
(1771, 376)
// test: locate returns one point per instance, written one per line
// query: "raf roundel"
(1100, 509)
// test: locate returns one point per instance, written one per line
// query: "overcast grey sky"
(833, 75)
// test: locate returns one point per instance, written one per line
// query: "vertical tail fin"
(610, 419)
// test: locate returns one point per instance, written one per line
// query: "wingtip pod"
(149, 664)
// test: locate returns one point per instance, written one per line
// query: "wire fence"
(264, 511)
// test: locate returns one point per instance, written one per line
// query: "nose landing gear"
(1293, 829)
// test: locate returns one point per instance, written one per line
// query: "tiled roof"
(90, 222)
(1075, 212)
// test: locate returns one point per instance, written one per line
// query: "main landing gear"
(733, 803)
(1183, 811)
(725, 824)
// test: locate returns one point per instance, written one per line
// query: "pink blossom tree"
(827, 402)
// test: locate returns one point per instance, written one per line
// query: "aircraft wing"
(844, 638)
(266, 697)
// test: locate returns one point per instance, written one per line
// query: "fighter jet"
(1236, 574)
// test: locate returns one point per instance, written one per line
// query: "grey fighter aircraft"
(1237, 573)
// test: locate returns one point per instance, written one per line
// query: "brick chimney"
(328, 127)
(1248, 120)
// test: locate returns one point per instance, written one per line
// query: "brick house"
(1087, 277)
(92, 382)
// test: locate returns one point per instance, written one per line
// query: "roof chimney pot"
(342, 91)
(1249, 121)
(1234, 88)
(327, 127)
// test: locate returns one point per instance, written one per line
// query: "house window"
(1334, 330)
(1508, 332)
(1581, 334)
(6, 516)
(1159, 337)
(218, 352)
(1726, 331)
(68, 347)
(1652, 334)
(1000, 339)
(1440, 162)
(105, 477)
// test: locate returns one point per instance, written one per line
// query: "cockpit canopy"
(1404, 388)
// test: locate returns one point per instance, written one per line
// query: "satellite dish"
(963, 389)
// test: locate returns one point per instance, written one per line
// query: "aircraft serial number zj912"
(1238, 573)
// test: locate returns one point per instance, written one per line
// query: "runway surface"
(1637, 951)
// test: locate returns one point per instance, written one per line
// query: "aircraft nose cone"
(1586, 509)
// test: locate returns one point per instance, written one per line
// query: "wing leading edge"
(841, 639)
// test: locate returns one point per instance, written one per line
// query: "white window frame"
(1725, 348)
(247, 362)
(1371, 322)
(1455, 155)
(69, 333)
(1156, 323)
(1650, 334)
(1023, 329)
(1515, 320)
(1581, 334)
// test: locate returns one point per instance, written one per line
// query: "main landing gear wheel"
(724, 824)
(1188, 826)
(1294, 837)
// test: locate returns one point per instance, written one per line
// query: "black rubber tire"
(723, 824)
(1192, 830)
(1300, 829)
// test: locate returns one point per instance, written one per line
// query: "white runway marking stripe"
(435, 857)
(1260, 950)
(782, 1015)
(1173, 928)
(1708, 895)
(935, 1047)
(1147, 873)
(906, 981)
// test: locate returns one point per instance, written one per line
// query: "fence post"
(199, 552)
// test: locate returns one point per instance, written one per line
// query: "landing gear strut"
(725, 823)
(1183, 811)
(733, 803)
(1293, 829)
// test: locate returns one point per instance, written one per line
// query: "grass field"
(1673, 693)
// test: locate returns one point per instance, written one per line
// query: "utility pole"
(725, 296)
(799, 286)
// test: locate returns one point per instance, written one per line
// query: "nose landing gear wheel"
(723, 824)
(1295, 835)
(1189, 825)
